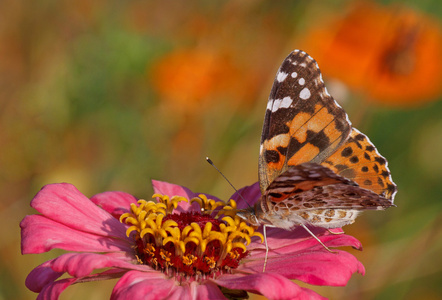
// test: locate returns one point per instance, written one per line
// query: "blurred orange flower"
(188, 78)
(392, 54)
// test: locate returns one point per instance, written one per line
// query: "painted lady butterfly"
(314, 167)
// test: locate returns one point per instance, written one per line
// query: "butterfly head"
(250, 215)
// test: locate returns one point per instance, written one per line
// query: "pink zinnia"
(174, 249)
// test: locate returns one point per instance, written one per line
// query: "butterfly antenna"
(213, 165)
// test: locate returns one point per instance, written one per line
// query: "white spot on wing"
(281, 76)
(305, 93)
(294, 74)
(270, 104)
(276, 104)
(301, 81)
(286, 102)
(281, 103)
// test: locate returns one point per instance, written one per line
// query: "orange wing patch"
(305, 154)
(358, 160)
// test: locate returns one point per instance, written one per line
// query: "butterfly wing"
(310, 186)
(313, 194)
(358, 159)
(302, 123)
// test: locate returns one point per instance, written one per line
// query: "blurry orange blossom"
(392, 54)
(189, 78)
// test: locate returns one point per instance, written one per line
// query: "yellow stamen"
(149, 249)
(165, 255)
(210, 261)
(233, 254)
(189, 259)
(170, 203)
(152, 233)
(207, 205)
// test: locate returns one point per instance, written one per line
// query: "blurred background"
(107, 95)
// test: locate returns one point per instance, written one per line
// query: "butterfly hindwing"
(302, 123)
(313, 194)
(310, 186)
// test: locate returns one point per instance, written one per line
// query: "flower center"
(189, 245)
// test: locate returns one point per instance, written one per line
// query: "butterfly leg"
(313, 235)
(267, 247)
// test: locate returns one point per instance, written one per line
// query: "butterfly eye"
(254, 221)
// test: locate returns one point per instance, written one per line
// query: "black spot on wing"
(318, 139)
(391, 189)
(271, 156)
(376, 168)
(360, 137)
(281, 149)
(293, 147)
(354, 159)
(381, 182)
(347, 152)
(275, 195)
(380, 160)
(369, 148)
(385, 174)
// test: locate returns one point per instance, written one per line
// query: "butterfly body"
(314, 167)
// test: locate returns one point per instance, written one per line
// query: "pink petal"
(305, 259)
(194, 290)
(115, 203)
(142, 285)
(165, 188)
(54, 290)
(208, 290)
(63, 203)
(318, 268)
(300, 238)
(271, 285)
(41, 276)
(82, 264)
(250, 193)
(180, 292)
(79, 265)
(169, 189)
(40, 234)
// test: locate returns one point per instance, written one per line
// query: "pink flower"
(91, 227)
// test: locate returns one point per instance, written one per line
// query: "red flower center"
(189, 246)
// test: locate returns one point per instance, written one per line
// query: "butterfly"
(315, 169)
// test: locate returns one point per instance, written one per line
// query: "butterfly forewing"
(302, 122)
(358, 160)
